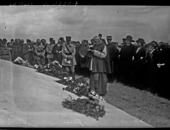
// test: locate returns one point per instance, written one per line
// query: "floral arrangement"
(53, 69)
(85, 106)
(20, 61)
(80, 87)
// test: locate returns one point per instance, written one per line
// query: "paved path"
(32, 99)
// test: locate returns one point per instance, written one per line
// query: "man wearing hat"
(68, 52)
(83, 58)
(56, 51)
(126, 53)
(39, 53)
(26, 51)
(100, 36)
(163, 66)
(113, 54)
(49, 50)
(14, 50)
(138, 64)
(151, 65)
(99, 68)
(19, 47)
(10, 45)
(4, 51)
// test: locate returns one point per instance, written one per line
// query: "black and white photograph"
(84, 66)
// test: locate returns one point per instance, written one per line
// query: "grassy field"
(150, 108)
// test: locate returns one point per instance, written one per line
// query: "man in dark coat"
(138, 64)
(126, 54)
(113, 54)
(27, 51)
(163, 66)
(100, 36)
(4, 51)
(151, 67)
(77, 56)
(56, 51)
(84, 61)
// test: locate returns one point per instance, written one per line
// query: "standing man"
(138, 64)
(11, 45)
(57, 50)
(26, 51)
(69, 61)
(103, 40)
(4, 51)
(113, 54)
(14, 50)
(126, 54)
(19, 47)
(49, 50)
(39, 53)
(99, 68)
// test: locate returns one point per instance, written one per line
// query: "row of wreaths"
(87, 105)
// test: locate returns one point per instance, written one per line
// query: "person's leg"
(72, 72)
(102, 84)
(91, 82)
(48, 60)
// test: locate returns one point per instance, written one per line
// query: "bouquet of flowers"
(80, 87)
(20, 61)
(53, 69)
(85, 106)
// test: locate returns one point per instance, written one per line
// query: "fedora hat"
(129, 38)
(141, 40)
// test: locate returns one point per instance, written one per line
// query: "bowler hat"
(129, 38)
(61, 38)
(154, 42)
(109, 37)
(68, 37)
(141, 40)
(151, 44)
(51, 39)
(28, 40)
(100, 35)
(124, 39)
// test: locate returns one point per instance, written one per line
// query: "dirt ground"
(142, 104)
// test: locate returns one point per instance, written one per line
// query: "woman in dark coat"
(56, 51)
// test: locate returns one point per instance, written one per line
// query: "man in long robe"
(99, 67)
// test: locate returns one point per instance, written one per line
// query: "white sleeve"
(101, 54)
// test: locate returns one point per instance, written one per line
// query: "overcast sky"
(84, 22)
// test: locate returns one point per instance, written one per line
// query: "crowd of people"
(133, 63)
